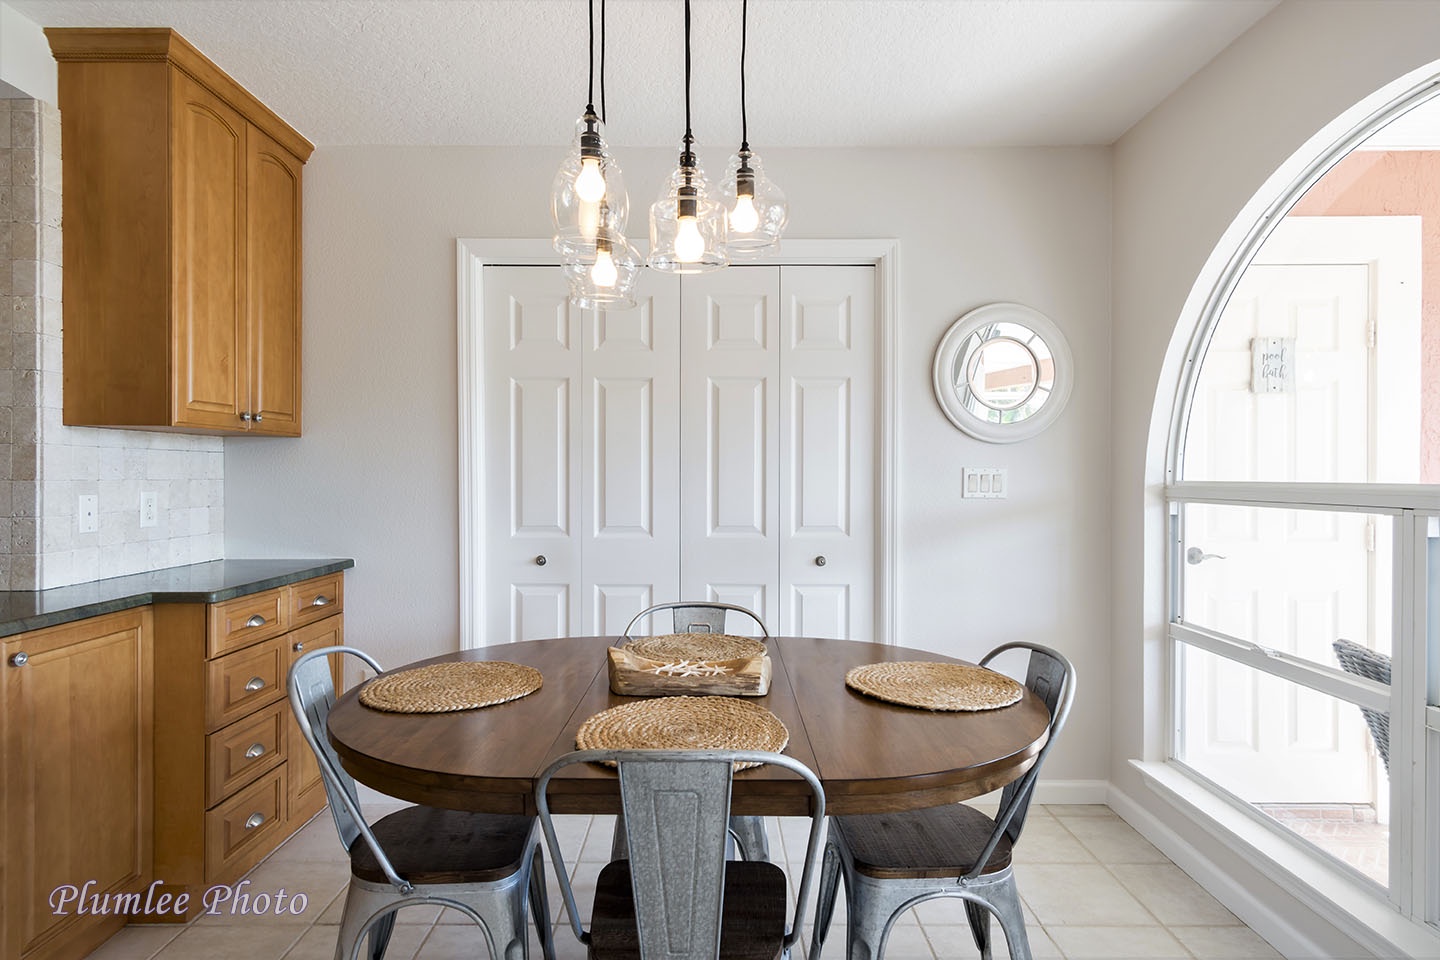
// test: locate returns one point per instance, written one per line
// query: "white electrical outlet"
(87, 517)
(985, 483)
(149, 509)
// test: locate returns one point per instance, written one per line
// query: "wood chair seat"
(432, 846)
(934, 843)
(752, 920)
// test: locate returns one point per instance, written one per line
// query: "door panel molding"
(473, 255)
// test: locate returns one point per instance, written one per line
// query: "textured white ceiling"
(821, 72)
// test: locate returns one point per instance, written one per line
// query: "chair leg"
(619, 840)
(871, 906)
(750, 837)
(360, 906)
(979, 919)
(380, 935)
(540, 905)
(1004, 900)
(828, 888)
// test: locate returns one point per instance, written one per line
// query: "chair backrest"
(1372, 665)
(697, 616)
(676, 808)
(312, 694)
(1050, 676)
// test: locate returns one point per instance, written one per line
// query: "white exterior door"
(1290, 580)
(713, 443)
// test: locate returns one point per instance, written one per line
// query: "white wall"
(1190, 179)
(375, 476)
(25, 62)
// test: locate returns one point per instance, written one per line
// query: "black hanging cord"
(590, 90)
(602, 60)
(744, 23)
(689, 139)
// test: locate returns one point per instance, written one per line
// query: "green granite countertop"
(212, 582)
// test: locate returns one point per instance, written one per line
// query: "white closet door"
(630, 530)
(729, 439)
(827, 433)
(532, 462)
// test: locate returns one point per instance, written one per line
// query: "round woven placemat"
(442, 687)
(685, 723)
(935, 686)
(696, 646)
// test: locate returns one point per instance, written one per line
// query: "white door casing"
(619, 515)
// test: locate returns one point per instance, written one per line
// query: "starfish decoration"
(691, 668)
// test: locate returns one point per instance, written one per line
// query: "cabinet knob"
(256, 621)
(255, 683)
(321, 601)
(255, 751)
(259, 417)
(820, 561)
(245, 415)
(540, 561)
(299, 648)
(19, 659)
(254, 820)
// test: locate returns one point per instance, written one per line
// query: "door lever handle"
(1195, 555)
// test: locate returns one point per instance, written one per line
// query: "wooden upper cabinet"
(182, 204)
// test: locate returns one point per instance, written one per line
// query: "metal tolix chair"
(676, 897)
(892, 861)
(489, 867)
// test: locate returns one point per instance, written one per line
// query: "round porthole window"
(1002, 372)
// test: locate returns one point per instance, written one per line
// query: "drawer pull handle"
(245, 415)
(254, 820)
(255, 751)
(19, 659)
(255, 683)
(540, 561)
(256, 621)
(299, 648)
(320, 601)
(259, 417)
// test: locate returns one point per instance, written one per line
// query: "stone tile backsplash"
(45, 466)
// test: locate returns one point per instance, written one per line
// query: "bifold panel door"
(717, 442)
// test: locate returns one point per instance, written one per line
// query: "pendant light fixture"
(755, 208)
(590, 208)
(687, 226)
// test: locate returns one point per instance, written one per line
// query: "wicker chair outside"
(1364, 662)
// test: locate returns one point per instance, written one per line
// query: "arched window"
(1304, 567)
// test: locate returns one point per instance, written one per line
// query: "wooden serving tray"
(632, 675)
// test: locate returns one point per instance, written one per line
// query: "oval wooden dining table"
(871, 756)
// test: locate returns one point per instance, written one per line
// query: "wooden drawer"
(245, 827)
(245, 620)
(244, 750)
(316, 599)
(239, 683)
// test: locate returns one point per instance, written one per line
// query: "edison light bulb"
(689, 245)
(590, 182)
(589, 220)
(603, 273)
(744, 218)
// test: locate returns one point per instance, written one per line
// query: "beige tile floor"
(1092, 886)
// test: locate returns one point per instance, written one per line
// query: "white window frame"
(1414, 889)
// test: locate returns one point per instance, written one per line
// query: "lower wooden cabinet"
(233, 776)
(77, 708)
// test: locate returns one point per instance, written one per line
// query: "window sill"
(1355, 908)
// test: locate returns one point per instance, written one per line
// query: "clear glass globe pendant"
(587, 198)
(756, 211)
(687, 227)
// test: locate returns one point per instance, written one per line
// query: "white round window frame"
(947, 392)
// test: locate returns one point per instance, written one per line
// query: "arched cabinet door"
(273, 299)
(209, 348)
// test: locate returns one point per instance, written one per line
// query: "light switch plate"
(87, 516)
(149, 508)
(984, 483)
